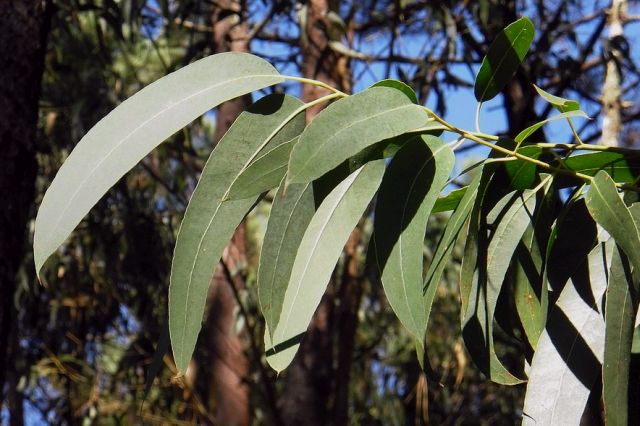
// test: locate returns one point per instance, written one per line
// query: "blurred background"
(77, 349)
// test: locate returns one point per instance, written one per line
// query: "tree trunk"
(612, 88)
(24, 27)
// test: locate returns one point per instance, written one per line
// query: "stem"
(478, 117)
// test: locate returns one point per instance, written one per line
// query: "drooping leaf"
(410, 187)
(624, 168)
(523, 135)
(522, 174)
(209, 221)
(569, 354)
(620, 314)
(563, 105)
(398, 85)
(449, 202)
(291, 213)
(505, 55)
(608, 209)
(129, 132)
(451, 231)
(317, 254)
(348, 126)
(264, 173)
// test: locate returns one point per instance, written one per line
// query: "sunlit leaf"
(608, 209)
(317, 255)
(523, 135)
(129, 132)
(563, 105)
(209, 222)
(348, 126)
(620, 314)
(410, 187)
(264, 173)
(398, 85)
(568, 358)
(623, 168)
(291, 213)
(505, 55)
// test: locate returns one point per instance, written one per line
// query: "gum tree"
(551, 228)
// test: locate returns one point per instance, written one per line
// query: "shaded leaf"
(623, 168)
(522, 174)
(450, 201)
(348, 126)
(505, 55)
(410, 187)
(318, 253)
(129, 132)
(209, 222)
(291, 213)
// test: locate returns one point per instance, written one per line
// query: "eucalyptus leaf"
(568, 358)
(398, 85)
(620, 314)
(350, 125)
(523, 135)
(290, 215)
(608, 209)
(264, 173)
(623, 168)
(410, 187)
(450, 201)
(522, 174)
(129, 132)
(209, 222)
(317, 254)
(563, 105)
(505, 55)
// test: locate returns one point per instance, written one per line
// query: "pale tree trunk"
(612, 88)
(316, 389)
(24, 26)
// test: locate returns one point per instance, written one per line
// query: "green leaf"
(623, 168)
(348, 126)
(411, 184)
(620, 314)
(129, 132)
(451, 231)
(264, 173)
(209, 222)
(563, 105)
(450, 201)
(522, 174)
(318, 253)
(606, 208)
(567, 360)
(505, 55)
(398, 85)
(523, 135)
(291, 213)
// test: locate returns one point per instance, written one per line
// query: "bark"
(611, 90)
(24, 27)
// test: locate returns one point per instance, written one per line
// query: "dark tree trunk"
(24, 27)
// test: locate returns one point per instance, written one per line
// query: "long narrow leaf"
(350, 125)
(291, 213)
(318, 253)
(129, 132)
(209, 221)
(410, 188)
